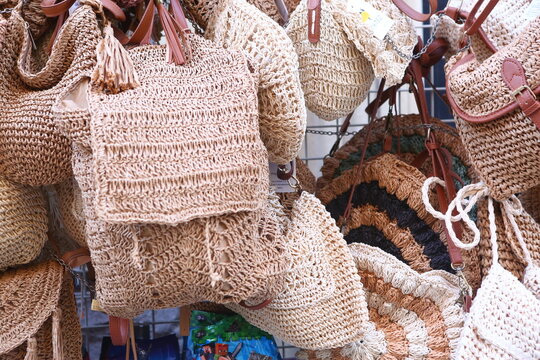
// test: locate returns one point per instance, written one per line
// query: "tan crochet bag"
(39, 314)
(23, 223)
(322, 304)
(498, 113)
(32, 151)
(66, 202)
(412, 316)
(235, 24)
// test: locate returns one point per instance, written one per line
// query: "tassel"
(31, 349)
(57, 341)
(114, 70)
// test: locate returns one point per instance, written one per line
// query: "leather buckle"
(520, 89)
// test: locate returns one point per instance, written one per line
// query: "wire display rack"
(320, 137)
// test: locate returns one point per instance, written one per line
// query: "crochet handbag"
(32, 150)
(39, 314)
(66, 202)
(23, 223)
(497, 111)
(235, 24)
(322, 302)
(413, 316)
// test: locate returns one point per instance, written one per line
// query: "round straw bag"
(32, 151)
(497, 112)
(23, 223)
(322, 303)
(335, 75)
(39, 314)
(415, 316)
(388, 212)
(235, 24)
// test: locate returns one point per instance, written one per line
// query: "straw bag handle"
(412, 13)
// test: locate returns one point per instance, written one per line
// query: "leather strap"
(143, 32)
(119, 330)
(283, 11)
(514, 76)
(260, 306)
(458, 15)
(472, 24)
(412, 13)
(342, 130)
(77, 257)
(314, 20)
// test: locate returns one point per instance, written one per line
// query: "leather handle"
(314, 20)
(412, 13)
(77, 257)
(260, 306)
(119, 330)
(472, 24)
(283, 11)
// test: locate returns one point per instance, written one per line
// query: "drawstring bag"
(23, 223)
(39, 314)
(413, 316)
(234, 24)
(388, 212)
(497, 112)
(322, 303)
(32, 150)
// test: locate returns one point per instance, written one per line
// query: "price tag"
(95, 306)
(377, 21)
(280, 185)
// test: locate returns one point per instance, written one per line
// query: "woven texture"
(415, 315)
(388, 212)
(335, 75)
(23, 223)
(32, 151)
(197, 154)
(384, 60)
(69, 206)
(531, 202)
(238, 25)
(322, 304)
(505, 151)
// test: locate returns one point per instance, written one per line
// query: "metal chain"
(412, 127)
(70, 269)
(424, 48)
(6, 11)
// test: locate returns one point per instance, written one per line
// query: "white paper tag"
(533, 11)
(280, 186)
(377, 21)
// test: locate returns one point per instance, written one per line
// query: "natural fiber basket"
(235, 24)
(413, 316)
(322, 303)
(502, 141)
(32, 150)
(388, 212)
(38, 311)
(23, 223)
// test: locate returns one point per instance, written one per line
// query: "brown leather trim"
(413, 14)
(314, 20)
(260, 306)
(119, 330)
(77, 257)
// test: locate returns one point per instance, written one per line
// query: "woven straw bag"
(497, 112)
(39, 314)
(322, 303)
(32, 150)
(23, 223)
(414, 316)
(388, 212)
(531, 202)
(235, 24)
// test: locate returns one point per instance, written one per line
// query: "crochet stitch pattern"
(322, 303)
(32, 151)
(235, 24)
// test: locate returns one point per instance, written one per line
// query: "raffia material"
(69, 333)
(384, 60)
(70, 208)
(235, 24)
(388, 212)
(23, 223)
(195, 155)
(32, 151)
(322, 303)
(415, 315)
(504, 151)
(335, 75)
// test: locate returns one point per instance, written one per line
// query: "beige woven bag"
(498, 113)
(32, 151)
(322, 304)
(235, 24)
(39, 314)
(23, 223)
(413, 316)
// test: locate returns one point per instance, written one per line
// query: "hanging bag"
(498, 114)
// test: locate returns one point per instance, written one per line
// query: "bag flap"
(28, 296)
(479, 92)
